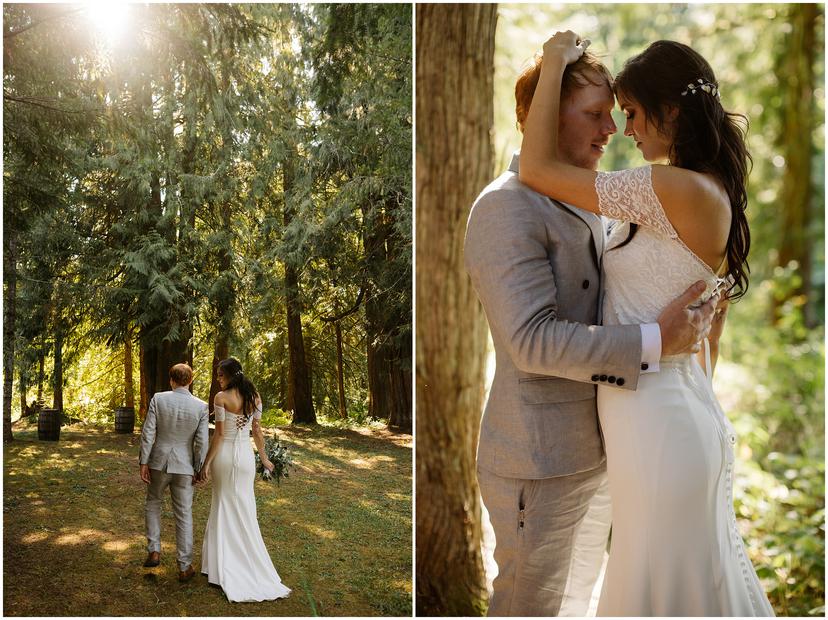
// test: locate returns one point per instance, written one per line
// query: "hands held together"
(202, 475)
(684, 327)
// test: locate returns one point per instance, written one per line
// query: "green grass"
(338, 530)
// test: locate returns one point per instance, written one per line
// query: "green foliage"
(199, 160)
(773, 386)
(273, 417)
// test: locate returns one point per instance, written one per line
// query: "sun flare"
(109, 19)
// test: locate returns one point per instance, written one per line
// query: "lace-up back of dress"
(644, 276)
(235, 423)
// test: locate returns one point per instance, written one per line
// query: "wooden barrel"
(124, 419)
(48, 425)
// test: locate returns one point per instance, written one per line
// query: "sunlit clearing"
(116, 545)
(35, 537)
(80, 537)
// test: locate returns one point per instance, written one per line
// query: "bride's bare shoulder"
(685, 192)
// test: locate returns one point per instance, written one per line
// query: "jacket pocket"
(540, 390)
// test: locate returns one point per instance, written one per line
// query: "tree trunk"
(303, 412)
(221, 351)
(156, 361)
(9, 319)
(340, 372)
(57, 374)
(129, 388)
(299, 392)
(142, 381)
(376, 256)
(455, 67)
(797, 71)
(379, 390)
(400, 417)
(41, 372)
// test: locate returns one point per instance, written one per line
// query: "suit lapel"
(595, 225)
(593, 221)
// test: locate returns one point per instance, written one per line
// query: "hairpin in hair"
(708, 87)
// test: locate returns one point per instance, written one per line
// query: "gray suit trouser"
(181, 491)
(539, 537)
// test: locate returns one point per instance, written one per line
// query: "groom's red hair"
(182, 374)
(586, 70)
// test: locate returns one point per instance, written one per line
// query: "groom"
(536, 266)
(174, 442)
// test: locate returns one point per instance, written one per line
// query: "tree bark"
(9, 319)
(374, 240)
(303, 412)
(142, 380)
(129, 388)
(156, 361)
(221, 351)
(400, 418)
(299, 393)
(340, 372)
(455, 68)
(41, 363)
(57, 374)
(797, 81)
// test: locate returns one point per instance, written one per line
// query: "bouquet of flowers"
(278, 455)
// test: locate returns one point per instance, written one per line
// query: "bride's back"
(233, 401)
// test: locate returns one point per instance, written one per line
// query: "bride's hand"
(566, 45)
(268, 465)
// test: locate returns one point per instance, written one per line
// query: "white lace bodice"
(645, 275)
(233, 424)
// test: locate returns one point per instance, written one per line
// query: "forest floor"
(338, 529)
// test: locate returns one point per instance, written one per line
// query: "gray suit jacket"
(536, 266)
(175, 437)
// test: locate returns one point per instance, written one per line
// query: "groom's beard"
(579, 153)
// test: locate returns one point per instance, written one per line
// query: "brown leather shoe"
(153, 559)
(185, 575)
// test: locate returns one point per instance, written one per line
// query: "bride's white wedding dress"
(676, 549)
(234, 555)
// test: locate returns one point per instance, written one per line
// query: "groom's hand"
(682, 327)
(145, 474)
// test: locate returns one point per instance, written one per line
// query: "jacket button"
(611, 379)
(603, 377)
(585, 284)
(620, 381)
(645, 366)
(595, 377)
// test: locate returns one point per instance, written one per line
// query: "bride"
(234, 555)
(676, 549)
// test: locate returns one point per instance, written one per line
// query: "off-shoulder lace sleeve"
(628, 195)
(257, 412)
(219, 411)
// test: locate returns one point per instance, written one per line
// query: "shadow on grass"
(338, 530)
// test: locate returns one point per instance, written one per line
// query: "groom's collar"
(182, 390)
(514, 166)
(590, 219)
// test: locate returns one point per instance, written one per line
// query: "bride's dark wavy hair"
(232, 369)
(707, 138)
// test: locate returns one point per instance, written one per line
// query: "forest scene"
(769, 62)
(186, 183)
